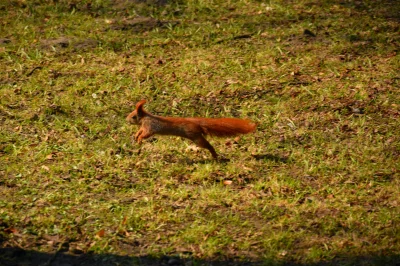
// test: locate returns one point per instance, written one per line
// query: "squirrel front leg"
(143, 133)
(138, 134)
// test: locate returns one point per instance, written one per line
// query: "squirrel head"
(137, 114)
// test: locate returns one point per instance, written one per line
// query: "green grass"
(318, 182)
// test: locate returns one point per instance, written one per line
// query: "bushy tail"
(224, 127)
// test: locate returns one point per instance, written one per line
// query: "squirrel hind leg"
(203, 143)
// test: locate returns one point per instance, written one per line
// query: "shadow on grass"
(16, 256)
(271, 157)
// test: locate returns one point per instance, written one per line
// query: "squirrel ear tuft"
(139, 109)
(140, 104)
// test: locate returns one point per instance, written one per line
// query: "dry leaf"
(100, 233)
(124, 220)
(140, 163)
(193, 148)
(283, 253)
(11, 230)
(45, 138)
(231, 81)
(248, 168)
(123, 232)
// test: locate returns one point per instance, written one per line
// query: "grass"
(317, 183)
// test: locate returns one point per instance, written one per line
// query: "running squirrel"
(191, 128)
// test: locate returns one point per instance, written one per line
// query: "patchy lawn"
(317, 183)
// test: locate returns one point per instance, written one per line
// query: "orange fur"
(191, 128)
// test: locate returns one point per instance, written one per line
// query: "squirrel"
(191, 128)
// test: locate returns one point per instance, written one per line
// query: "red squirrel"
(191, 128)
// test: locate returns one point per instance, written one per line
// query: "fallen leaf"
(283, 253)
(100, 233)
(124, 220)
(230, 81)
(11, 230)
(248, 168)
(192, 148)
(227, 182)
(140, 163)
(123, 232)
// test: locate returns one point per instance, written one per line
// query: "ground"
(316, 184)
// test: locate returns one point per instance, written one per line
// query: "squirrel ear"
(140, 104)
(139, 108)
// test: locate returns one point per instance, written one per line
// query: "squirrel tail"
(224, 127)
